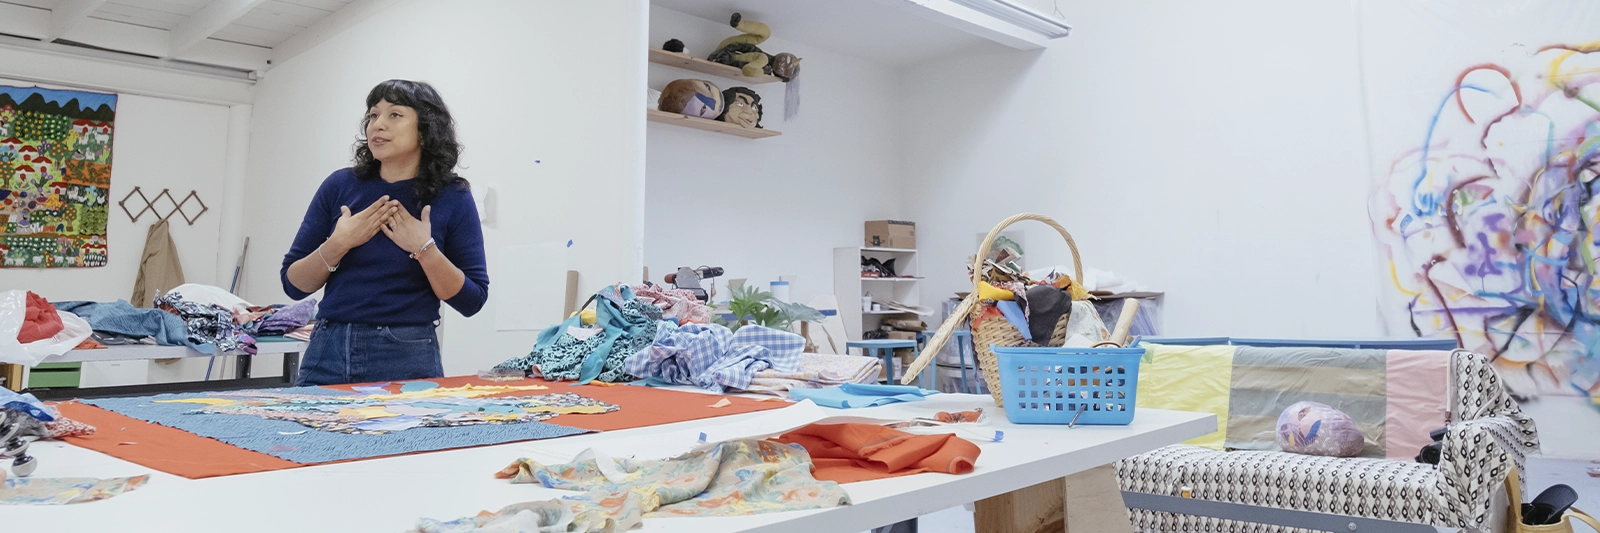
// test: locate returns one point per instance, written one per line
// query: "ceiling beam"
(207, 21)
(351, 14)
(68, 13)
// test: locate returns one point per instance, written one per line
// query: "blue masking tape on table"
(855, 395)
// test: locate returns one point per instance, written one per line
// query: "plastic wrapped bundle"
(1312, 428)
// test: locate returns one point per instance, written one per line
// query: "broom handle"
(1130, 307)
(940, 337)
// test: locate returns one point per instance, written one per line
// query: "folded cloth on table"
(288, 319)
(678, 304)
(815, 371)
(123, 319)
(853, 395)
(712, 357)
(302, 334)
(848, 453)
(733, 478)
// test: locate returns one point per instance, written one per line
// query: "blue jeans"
(341, 352)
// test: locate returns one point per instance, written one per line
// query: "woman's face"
(392, 131)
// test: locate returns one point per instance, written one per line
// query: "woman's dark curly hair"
(435, 128)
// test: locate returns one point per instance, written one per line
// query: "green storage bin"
(55, 375)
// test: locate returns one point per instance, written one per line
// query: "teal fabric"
(855, 395)
(627, 327)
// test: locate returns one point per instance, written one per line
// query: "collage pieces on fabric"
(419, 404)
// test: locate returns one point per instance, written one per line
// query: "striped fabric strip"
(1419, 397)
(1189, 378)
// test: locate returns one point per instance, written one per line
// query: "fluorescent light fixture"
(1020, 15)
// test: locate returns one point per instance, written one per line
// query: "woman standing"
(388, 239)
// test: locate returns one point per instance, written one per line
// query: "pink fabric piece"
(1418, 395)
(675, 303)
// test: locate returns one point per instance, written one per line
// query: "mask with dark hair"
(436, 131)
(743, 107)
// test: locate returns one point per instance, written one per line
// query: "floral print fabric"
(731, 478)
(65, 490)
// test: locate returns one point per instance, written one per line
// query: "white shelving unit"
(849, 286)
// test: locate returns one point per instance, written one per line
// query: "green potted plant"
(750, 305)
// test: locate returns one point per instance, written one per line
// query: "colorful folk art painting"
(1486, 220)
(55, 176)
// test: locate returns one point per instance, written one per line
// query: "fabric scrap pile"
(42, 420)
(815, 371)
(624, 325)
(730, 478)
(715, 358)
(207, 323)
(679, 305)
(383, 413)
(215, 317)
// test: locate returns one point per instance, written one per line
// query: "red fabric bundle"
(41, 320)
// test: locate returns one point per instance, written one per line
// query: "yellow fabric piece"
(367, 412)
(991, 292)
(587, 317)
(464, 391)
(1189, 378)
(579, 409)
(207, 401)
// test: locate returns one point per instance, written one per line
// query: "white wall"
(1212, 151)
(159, 144)
(544, 80)
(778, 206)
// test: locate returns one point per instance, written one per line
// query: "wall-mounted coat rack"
(150, 205)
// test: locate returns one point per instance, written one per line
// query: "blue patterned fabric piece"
(295, 442)
(712, 357)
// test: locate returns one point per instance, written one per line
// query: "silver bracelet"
(425, 247)
(331, 268)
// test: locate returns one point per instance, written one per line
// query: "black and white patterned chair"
(1488, 434)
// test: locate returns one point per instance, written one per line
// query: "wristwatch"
(425, 247)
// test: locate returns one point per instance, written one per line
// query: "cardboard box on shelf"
(902, 335)
(891, 234)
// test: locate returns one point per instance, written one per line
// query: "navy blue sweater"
(377, 282)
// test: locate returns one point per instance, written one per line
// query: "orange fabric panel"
(169, 450)
(848, 453)
(185, 454)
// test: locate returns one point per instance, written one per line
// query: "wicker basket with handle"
(993, 332)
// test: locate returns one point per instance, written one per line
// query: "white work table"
(389, 495)
(242, 379)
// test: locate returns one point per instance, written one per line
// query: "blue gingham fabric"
(714, 358)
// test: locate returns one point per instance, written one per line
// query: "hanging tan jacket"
(159, 270)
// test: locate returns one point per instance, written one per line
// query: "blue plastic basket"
(1055, 385)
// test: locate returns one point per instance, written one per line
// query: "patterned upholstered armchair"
(1237, 480)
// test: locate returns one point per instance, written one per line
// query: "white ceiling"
(867, 29)
(238, 34)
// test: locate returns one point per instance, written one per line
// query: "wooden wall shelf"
(708, 125)
(702, 66)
